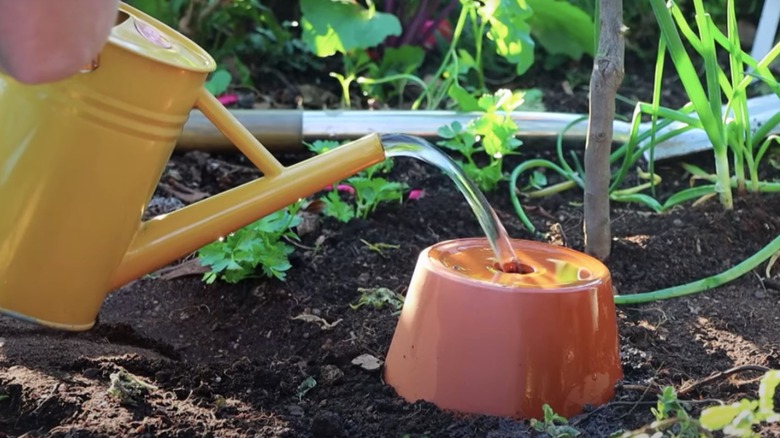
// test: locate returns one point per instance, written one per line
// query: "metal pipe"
(286, 130)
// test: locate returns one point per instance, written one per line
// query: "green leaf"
(336, 208)
(322, 146)
(510, 32)
(219, 82)
(369, 193)
(331, 26)
(766, 391)
(401, 60)
(562, 28)
(718, 417)
(237, 256)
(464, 100)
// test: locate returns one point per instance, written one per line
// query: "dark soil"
(229, 360)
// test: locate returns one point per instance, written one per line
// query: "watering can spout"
(163, 239)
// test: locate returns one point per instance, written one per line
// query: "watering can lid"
(146, 36)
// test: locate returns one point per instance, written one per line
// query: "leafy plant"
(738, 419)
(554, 425)
(368, 189)
(379, 298)
(494, 133)
(336, 26)
(218, 82)
(305, 386)
(237, 256)
(128, 388)
(728, 130)
(234, 32)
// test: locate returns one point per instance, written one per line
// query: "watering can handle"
(241, 137)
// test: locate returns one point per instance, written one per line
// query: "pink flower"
(227, 99)
(342, 188)
(416, 194)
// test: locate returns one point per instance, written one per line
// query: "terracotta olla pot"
(476, 340)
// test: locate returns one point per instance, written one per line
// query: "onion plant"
(729, 129)
(718, 106)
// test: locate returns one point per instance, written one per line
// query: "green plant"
(128, 388)
(738, 419)
(506, 27)
(234, 32)
(260, 243)
(493, 132)
(333, 26)
(378, 298)
(671, 419)
(554, 425)
(367, 189)
(728, 130)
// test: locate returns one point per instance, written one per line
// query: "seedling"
(738, 419)
(493, 133)
(129, 389)
(368, 189)
(379, 247)
(554, 425)
(378, 298)
(237, 256)
(307, 385)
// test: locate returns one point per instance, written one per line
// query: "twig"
(722, 375)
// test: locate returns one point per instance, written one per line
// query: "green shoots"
(367, 189)
(492, 133)
(260, 243)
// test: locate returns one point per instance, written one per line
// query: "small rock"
(364, 278)
(331, 374)
(295, 410)
(91, 373)
(678, 223)
(367, 362)
(761, 293)
(327, 424)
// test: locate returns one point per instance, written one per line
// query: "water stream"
(402, 145)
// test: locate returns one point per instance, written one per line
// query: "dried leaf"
(183, 192)
(324, 325)
(190, 267)
(367, 362)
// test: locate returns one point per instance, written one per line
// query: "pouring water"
(402, 145)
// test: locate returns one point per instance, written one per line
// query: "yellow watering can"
(80, 160)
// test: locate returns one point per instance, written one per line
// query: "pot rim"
(599, 272)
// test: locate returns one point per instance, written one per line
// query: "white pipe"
(285, 129)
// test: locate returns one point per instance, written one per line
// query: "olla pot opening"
(474, 339)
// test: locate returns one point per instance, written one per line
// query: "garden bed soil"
(229, 360)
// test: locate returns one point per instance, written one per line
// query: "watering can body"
(80, 160)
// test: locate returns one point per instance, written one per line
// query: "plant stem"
(705, 283)
(417, 22)
(438, 19)
(398, 77)
(723, 185)
(608, 72)
(456, 34)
